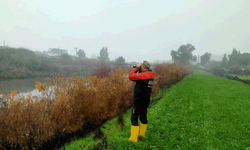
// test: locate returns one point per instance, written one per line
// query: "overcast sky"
(135, 29)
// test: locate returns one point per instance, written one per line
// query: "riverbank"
(203, 111)
(72, 104)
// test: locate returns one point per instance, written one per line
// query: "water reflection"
(23, 86)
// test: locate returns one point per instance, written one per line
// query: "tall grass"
(70, 104)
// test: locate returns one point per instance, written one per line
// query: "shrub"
(167, 74)
(218, 71)
(247, 71)
(235, 69)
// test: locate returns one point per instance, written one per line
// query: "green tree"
(66, 57)
(120, 60)
(104, 55)
(81, 54)
(205, 58)
(184, 54)
(234, 57)
(224, 62)
(194, 58)
(244, 59)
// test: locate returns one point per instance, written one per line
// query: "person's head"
(145, 66)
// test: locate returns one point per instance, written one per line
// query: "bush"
(247, 71)
(167, 74)
(218, 71)
(235, 69)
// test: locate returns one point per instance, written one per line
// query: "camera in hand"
(134, 66)
(138, 70)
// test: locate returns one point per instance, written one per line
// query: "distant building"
(55, 52)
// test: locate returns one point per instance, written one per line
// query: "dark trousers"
(140, 113)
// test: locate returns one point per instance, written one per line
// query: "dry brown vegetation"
(68, 103)
(168, 73)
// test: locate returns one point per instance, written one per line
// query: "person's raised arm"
(140, 76)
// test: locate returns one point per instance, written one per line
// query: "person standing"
(143, 76)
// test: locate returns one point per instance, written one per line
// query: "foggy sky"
(135, 29)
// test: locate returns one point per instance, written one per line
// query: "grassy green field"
(244, 78)
(202, 111)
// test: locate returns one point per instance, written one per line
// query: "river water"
(22, 86)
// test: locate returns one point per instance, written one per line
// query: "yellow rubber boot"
(143, 128)
(134, 133)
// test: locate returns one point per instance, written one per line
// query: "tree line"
(184, 55)
(235, 58)
(104, 56)
(236, 62)
(21, 62)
